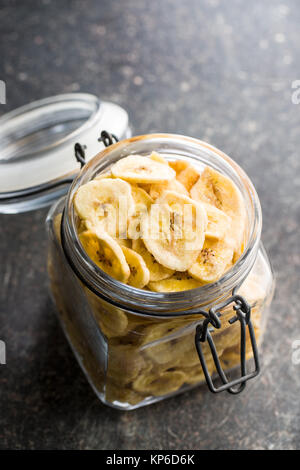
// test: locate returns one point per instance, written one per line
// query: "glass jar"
(37, 146)
(136, 346)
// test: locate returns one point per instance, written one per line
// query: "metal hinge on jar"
(105, 137)
(203, 334)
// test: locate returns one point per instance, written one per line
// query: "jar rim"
(167, 302)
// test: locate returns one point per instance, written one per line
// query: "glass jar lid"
(37, 162)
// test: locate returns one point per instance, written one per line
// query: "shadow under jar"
(135, 346)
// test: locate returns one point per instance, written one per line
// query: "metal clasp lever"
(243, 315)
(106, 137)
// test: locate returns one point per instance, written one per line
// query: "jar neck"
(153, 303)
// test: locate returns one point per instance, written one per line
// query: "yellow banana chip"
(139, 273)
(188, 177)
(57, 225)
(113, 321)
(141, 197)
(142, 202)
(157, 385)
(212, 261)
(176, 283)
(218, 222)
(158, 158)
(219, 191)
(156, 190)
(194, 375)
(107, 202)
(106, 253)
(178, 165)
(156, 270)
(161, 330)
(124, 363)
(174, 230)
(102, 176)
(139, 169)
(124, 242)
(254, 289)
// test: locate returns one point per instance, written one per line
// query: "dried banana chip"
(141, 197)
(188, 177)
(177, 282)
(125, 363)
(57, 225)
(218, 222)
(157, 157)
(178, 165)
(157, 385)
(102, 176)
(124, 242)
(139, 273)
(156, 190)
(177, 348)
(113, 322)
(161, 330)
(174, 230)
(106, 253)
(106, 203)
(156, 270)
(123, 395)
(139, 169)
(253, 289)
(142, 204)
(212, 261)
(195, 375)
(218, 190)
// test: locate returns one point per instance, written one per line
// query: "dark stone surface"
(220, 71)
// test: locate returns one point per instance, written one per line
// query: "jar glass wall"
(136, 346)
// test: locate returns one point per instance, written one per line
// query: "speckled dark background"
(218, 70)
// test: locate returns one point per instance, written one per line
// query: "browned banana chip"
(113, 321)
(124, 242)
(195, 375)
(123, 395)
(158, 385)
(125, 363)
(173, 349)
(178, 165)
(161, 330)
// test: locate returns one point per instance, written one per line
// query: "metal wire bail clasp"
(79, 150)
(203, 333)
(107, 138)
